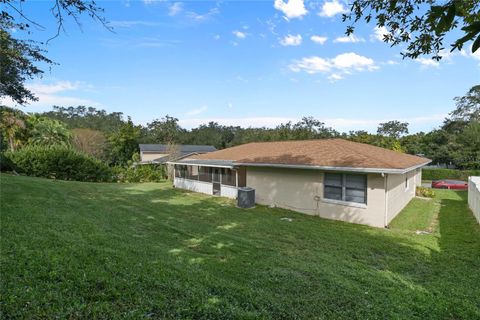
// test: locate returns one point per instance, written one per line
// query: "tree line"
(114, 138)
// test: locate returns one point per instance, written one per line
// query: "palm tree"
(11, 126)
(48, 132)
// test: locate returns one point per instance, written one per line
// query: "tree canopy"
(420, 24)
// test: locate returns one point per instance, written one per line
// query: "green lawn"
(87, 250)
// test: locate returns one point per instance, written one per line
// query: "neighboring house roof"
(329, 154)
(182, 148)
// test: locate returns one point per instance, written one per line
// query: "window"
(406, 181)
(345, 187)
(228, 177)
(205, 174)
(180, 171)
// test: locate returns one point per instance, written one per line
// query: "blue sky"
(248, 63)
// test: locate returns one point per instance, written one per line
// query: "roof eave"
(333, 168)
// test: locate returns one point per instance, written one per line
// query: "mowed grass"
(87, 250)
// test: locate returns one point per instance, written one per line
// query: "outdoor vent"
(246, 198)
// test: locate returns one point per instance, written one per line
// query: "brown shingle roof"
(323, 153)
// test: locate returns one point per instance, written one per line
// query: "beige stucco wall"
(144, 156)
(398, 195)
(297, 189)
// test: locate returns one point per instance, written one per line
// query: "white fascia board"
(200, 164)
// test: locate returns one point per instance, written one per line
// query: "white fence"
(474, 196)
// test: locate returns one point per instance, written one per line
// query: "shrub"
(59, 162)
(425, 192)
(438, 174)
(141, 173)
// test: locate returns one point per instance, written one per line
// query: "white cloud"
(291, 40)
(239, 34)
(349, 39)
(202, 17)
(53, 93)
(147, 2)
(60, 86)
(379, 33)
(311, 65)
(427, 62)
(336, 67)
(391, 62)
(197, 111)
(352, 61)
(292, 8)
(175, 8)
(319, 39)
(332, 8)
(335, 77)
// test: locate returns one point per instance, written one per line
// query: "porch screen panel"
(192, 172)
(205, 174)
(228, 177)
(180, 171)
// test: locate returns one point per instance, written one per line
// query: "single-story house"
(330, 178)
(161, 153)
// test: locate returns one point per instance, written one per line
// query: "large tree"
(21, 58)
(421, 24)
(467, 110)
(393, 129)
(123, 144)
(165, 130)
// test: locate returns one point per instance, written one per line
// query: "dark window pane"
(333, 179)
(357, 181)
(355, 195)
(333, 193)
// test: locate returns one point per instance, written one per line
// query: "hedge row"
(64, 163)
(438, 174)
(142, 173)
(58, 162)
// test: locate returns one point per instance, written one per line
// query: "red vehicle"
(450, 184)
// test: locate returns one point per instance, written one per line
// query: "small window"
(406, 182)
(345, 187)
(228, 177)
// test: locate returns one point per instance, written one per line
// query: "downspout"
(385, 175)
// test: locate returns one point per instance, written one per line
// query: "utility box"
(246, 198)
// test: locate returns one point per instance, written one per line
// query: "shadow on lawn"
(307, 268)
